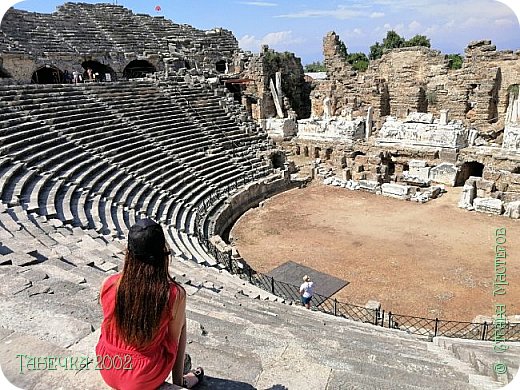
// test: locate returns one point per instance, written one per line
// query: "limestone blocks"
(512, 210)
(479, 194)
(398, 191)
(511, 141)
(488, 205)
(445, 173)
(421, 130)
(332, 129)
(420, 174)
(279, 128)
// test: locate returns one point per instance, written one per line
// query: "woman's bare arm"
(177, 330)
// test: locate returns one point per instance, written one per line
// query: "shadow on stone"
(223, 384)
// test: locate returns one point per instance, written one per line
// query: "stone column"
(444, 117)
(368, 123)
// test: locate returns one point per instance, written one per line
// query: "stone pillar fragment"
(368, 124)
(444, 117)
(277, 99)
(466, 197)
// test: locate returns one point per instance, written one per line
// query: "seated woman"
(143, 334)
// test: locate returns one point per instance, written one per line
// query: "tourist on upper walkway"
(306, 291)
(143, 334)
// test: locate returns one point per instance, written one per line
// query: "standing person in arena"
(143, 334)
(306, 291)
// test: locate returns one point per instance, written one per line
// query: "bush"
(315, 67)
(455, 61)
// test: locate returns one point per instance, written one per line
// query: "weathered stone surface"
(11, 285)
(467, 196)
(335, 129)
(488, 205)
(369, 185)
(279, 128)
(395, 190)
(419, 117)
(511, 141)
(412, 134)
(444, 173)
(512, 210)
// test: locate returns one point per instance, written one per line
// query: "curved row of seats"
(82, 28)
(101, 156)
(50, 274)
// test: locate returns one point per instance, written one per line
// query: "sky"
(299, 25)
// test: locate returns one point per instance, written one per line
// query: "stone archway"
(220, 66)
(306, 151)
(138, 68)
(100, 69)
(328, 154)
(47, 75)
(470, 168)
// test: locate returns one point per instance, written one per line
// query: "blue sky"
(299, 26)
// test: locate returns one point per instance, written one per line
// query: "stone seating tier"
(103, 28)
(226, 328)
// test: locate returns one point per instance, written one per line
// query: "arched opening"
(138, 68)
(47, 75)
(328, 154)
(278, 160)
(356, 153)
(385, 100)
(220, 66)
(101, 71)
(472, 168)
(297, 150)
(4, 74)
(422, 101)
(317, 152)
(306, 151)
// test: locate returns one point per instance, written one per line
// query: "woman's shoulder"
(109, 282)
(177, 291)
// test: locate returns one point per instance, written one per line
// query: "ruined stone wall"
(261, 69)
(109, 34)
(419, 79)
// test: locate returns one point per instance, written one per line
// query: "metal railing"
(426, 327)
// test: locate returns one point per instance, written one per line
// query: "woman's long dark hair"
(141, 299)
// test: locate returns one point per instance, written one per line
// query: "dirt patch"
(429, 260)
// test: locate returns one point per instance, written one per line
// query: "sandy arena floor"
(430, 260)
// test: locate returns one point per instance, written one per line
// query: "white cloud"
(342, 12)
(249, 42)
(377, 15)
(275, 40)
(258, 3)
(504, 22)
(414, 26)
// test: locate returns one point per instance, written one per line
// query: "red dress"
(124, 367)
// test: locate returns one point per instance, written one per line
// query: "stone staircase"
(244, 337)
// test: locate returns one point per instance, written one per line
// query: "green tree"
(359, 61)
(418, 40)
(315, 67)
(342, 49)
(393, 40)
(455, 61)
(376, 51)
